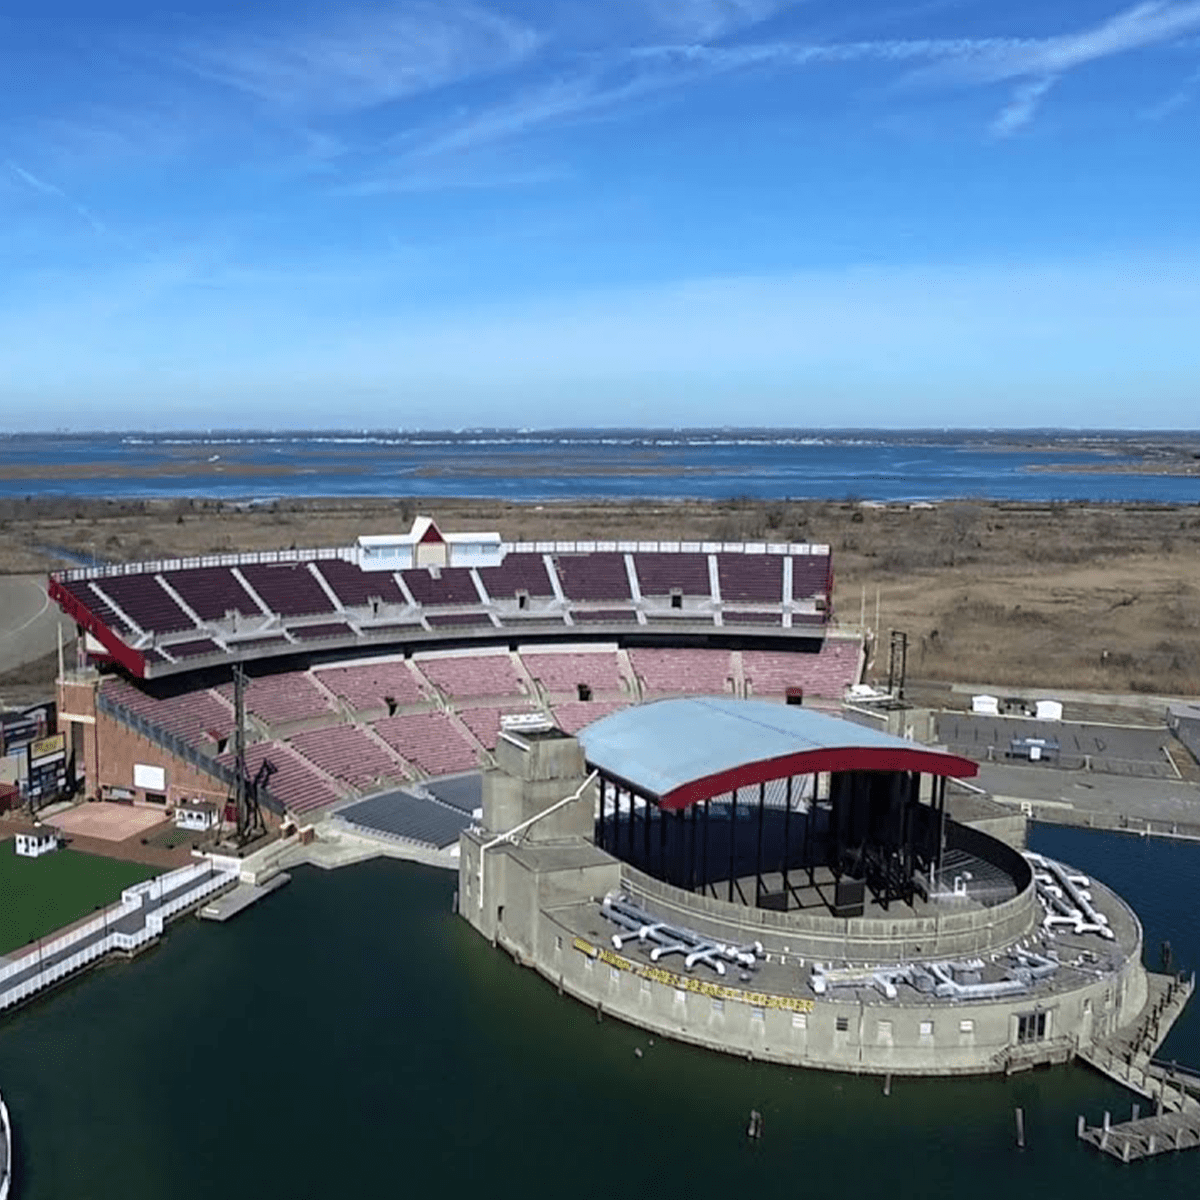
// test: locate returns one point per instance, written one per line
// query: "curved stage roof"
(683, 751)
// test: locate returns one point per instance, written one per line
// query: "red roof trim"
(132, 660)
(432, 534)
(811, 762)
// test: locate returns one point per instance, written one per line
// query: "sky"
(436, 214)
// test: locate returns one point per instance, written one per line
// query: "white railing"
(202, 877)
(250, 558)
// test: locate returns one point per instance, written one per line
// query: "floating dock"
(241, 897)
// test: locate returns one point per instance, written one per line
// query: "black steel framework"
(865, 831)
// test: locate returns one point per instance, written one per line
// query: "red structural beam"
(132, 660)
(813, 762)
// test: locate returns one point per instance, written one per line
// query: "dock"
(1127, 1059)
(1144, 1137)
(242, 897)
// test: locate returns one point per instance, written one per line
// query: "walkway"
(137, 920)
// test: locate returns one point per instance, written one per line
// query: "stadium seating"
(295, 783)
(211, 592)
(605, 616)
(472, 675)
(519, 572)
(196, 717)
(327, 629)
(370, 685)
(453, 585)
(561, 674)
(827, 674)
(754, 577)
(196, 648)
(599, 576)
(147, 603)
(356, 588)
(280, 699)
(458, 620)
(661, 574)
(810, 576)
(688, 672)
(484, 723)
(348, 754)
(288, 589)
(428, 741)
(83, 591)
(573, 717)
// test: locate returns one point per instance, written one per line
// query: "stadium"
(636, 753)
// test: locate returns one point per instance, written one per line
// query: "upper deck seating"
(372, 685)
(810, 575)
(519, 572)
(573, 717)
(563, 673)
(327, 629)
(429, 741)
(356, 588)
(754, 577)
(199, 718)
(147, 603)
(348, 754)
(599, 576)
(90, 599)
(294, 783)
(278, 699)
(453, 585)
(453, 620)
(197, 648)
(662, 574)
(287, 588)
(691, 672)
(827, 674)
(602, 616)
(463, 677)
(211, 592)
(737, 617)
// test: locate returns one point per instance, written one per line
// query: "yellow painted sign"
(687, 984)
(48, 747)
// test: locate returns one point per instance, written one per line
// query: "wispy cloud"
(1040, 62)
(365, 58)
(1182, 96)
(45, 188)
(1023, 106)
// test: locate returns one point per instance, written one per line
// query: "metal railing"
(180, 748)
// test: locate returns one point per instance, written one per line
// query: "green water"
(349, 1037)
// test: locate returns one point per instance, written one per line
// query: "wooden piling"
(1020, 1114)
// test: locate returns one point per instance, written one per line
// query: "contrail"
(50, 189)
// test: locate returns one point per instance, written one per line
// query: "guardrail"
(205, 879)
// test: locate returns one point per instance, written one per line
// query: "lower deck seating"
(372, 685)
(348, 754)
(428, 741)
(563, 673)
(294, 783)
(198, 717)
(466, 676)
(689, 672)
(278, 699)
(573, 717)
(827, 674)
(484, 723)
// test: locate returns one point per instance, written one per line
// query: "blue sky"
(418, 213)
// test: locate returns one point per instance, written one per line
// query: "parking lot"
(1135, 750)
